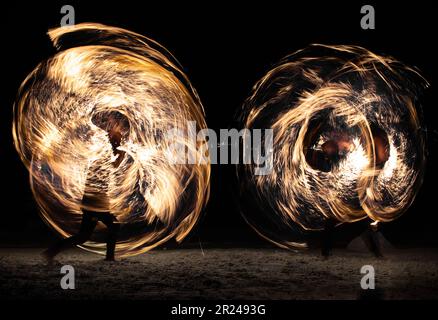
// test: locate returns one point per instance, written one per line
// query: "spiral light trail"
(98, 70)
(347, 144)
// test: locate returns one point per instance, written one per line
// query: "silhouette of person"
(325, 160)
(95, 201)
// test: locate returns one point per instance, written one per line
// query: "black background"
(224, 47)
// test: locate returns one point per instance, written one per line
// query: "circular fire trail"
(347, 142)
(100, 75)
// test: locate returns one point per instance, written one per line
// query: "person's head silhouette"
(115, 124)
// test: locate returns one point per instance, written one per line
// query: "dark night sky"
(224, 49)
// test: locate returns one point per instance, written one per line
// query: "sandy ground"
(221, 274)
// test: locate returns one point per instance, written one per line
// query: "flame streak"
(344, 94)
(97, 69)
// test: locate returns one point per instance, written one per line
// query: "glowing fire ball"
(347, 142)
(59, 132)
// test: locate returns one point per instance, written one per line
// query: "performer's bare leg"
(327, 239)
(113, 227)
(87, 227)
(371, 240)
